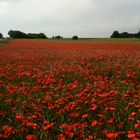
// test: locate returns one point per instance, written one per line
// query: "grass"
(97, 40)
(4, 41)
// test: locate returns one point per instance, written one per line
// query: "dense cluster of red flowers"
(69, 90)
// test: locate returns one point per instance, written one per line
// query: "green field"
(4, 42)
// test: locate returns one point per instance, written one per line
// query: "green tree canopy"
(1, 35)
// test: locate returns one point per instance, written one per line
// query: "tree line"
(1, 36)
(15, 34)
(116, 34)
(19, 35)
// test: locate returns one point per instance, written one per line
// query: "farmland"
(70, 90)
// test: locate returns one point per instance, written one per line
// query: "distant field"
(86, 89)
(3, 41)
(98, 40)
(84, 40)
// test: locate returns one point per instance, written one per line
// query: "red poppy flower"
(74, 114)
(111, 135)
(60, 137)
(94, 123)
(69, 134)
(84, 116)
(31, 137)
(131, 135)
(19, 118)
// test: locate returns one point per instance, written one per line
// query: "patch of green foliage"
(4, 41)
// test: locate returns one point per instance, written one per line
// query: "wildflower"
(120, 126)
(104, 95)
(90, 137)
(69, 134)
(8, 131)
(112, 109)
(131, 118)
(84, 116)
(111, 135)
(31, 137)
(60, 137)
(45, 123)
(72, 85)
(137, 125)
(74, 114)
(49, 126)
(33, 125)
(3, 136)
(133, 114)
(94, 108)
(94, 123)
(131, 135)
(111, 121)
(19, 118)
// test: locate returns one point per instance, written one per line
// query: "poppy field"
(70, 90)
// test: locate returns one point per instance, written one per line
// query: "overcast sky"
(85, 18)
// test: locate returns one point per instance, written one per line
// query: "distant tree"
(138, 35)
(36, 36)
(1, 35)
(43, 36)
(75, 37)
(17, 34)
(125, 35)
(58, 37)
(115, 34)
(32, 35)
(53, 37)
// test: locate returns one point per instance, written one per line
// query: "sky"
(85, 18)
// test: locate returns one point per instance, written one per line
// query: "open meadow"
(70, 90)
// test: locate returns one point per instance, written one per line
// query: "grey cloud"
(87, 18)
